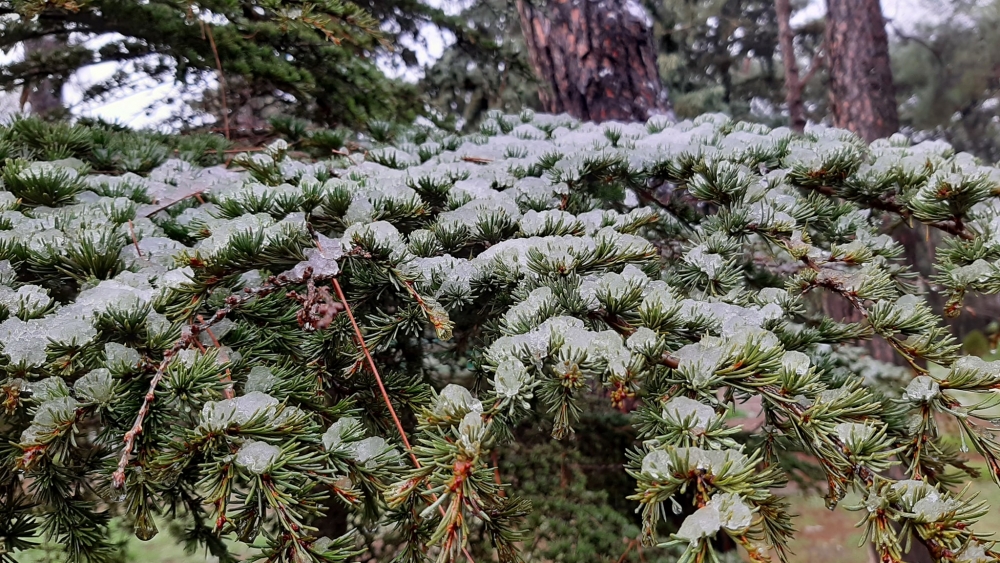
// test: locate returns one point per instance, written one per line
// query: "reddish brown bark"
(595, 59)
(793, 86)
(862, 94)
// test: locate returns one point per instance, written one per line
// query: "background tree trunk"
(793, 86)
(43, 95)
(862, 94)
(595, 60)
(863, 100)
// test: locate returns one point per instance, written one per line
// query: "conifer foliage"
(241, 350)
(314, 57)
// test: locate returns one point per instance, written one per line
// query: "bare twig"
(189, 337)
(631, 544)
(378, 377)
(385, 395)
(148, 210)
(135, 241)
(228, 379)
(222, 77)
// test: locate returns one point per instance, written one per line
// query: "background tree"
(595, 60)
(316, 57)
(946, 74)
(486, 68)
(795, 82)
(42, 93)
(862, 94)
(722, 56)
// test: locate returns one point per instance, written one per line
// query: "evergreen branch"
(954, 226)
(385, 397)
(189, 337)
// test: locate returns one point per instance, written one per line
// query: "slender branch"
(906, 38)
(814, 66)
(188, 337)
(135, 241)
(150, 210)
(228, 378)
(955, 226)
(222, 77)
(371, 365)
(385, 395)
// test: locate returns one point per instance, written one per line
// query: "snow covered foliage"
(246, 349)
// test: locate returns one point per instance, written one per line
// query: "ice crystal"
(49, 389)
(851, 433)
(455, 401)
(120, 357)
(656, 464)
(96, 387)
(511, 376)
(923, 388)
(366, 449)
(260, 378)
(218, 415)
(683, 408)
(257, 457)
(704, 523)
(334, 435)
(734, 513)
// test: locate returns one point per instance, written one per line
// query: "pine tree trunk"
(862, 94)
(862, 97)
(793, 84)
(42, 95)
(595, 59)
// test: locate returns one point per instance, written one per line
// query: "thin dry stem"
(222, 79)
(187, 339)
(378, 377)
(385, 394)
(135, 241)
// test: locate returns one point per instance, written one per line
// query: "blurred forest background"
(250, 70)
(188, 65)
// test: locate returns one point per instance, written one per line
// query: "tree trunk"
(862, 94)
(42, 95)
(793, 86)
(595, 59)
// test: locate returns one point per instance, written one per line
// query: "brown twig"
(385, 394)
(222, 77)
(135, 241)
(628, 548)
(148, 210)
(187, 338)
(371, 365)
(228, 392)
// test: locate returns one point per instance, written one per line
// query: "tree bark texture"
(594, 58)
(862, 94)
(793, 84)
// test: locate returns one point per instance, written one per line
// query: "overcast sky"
(131, 108)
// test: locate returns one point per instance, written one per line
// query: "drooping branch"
(189, 337)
